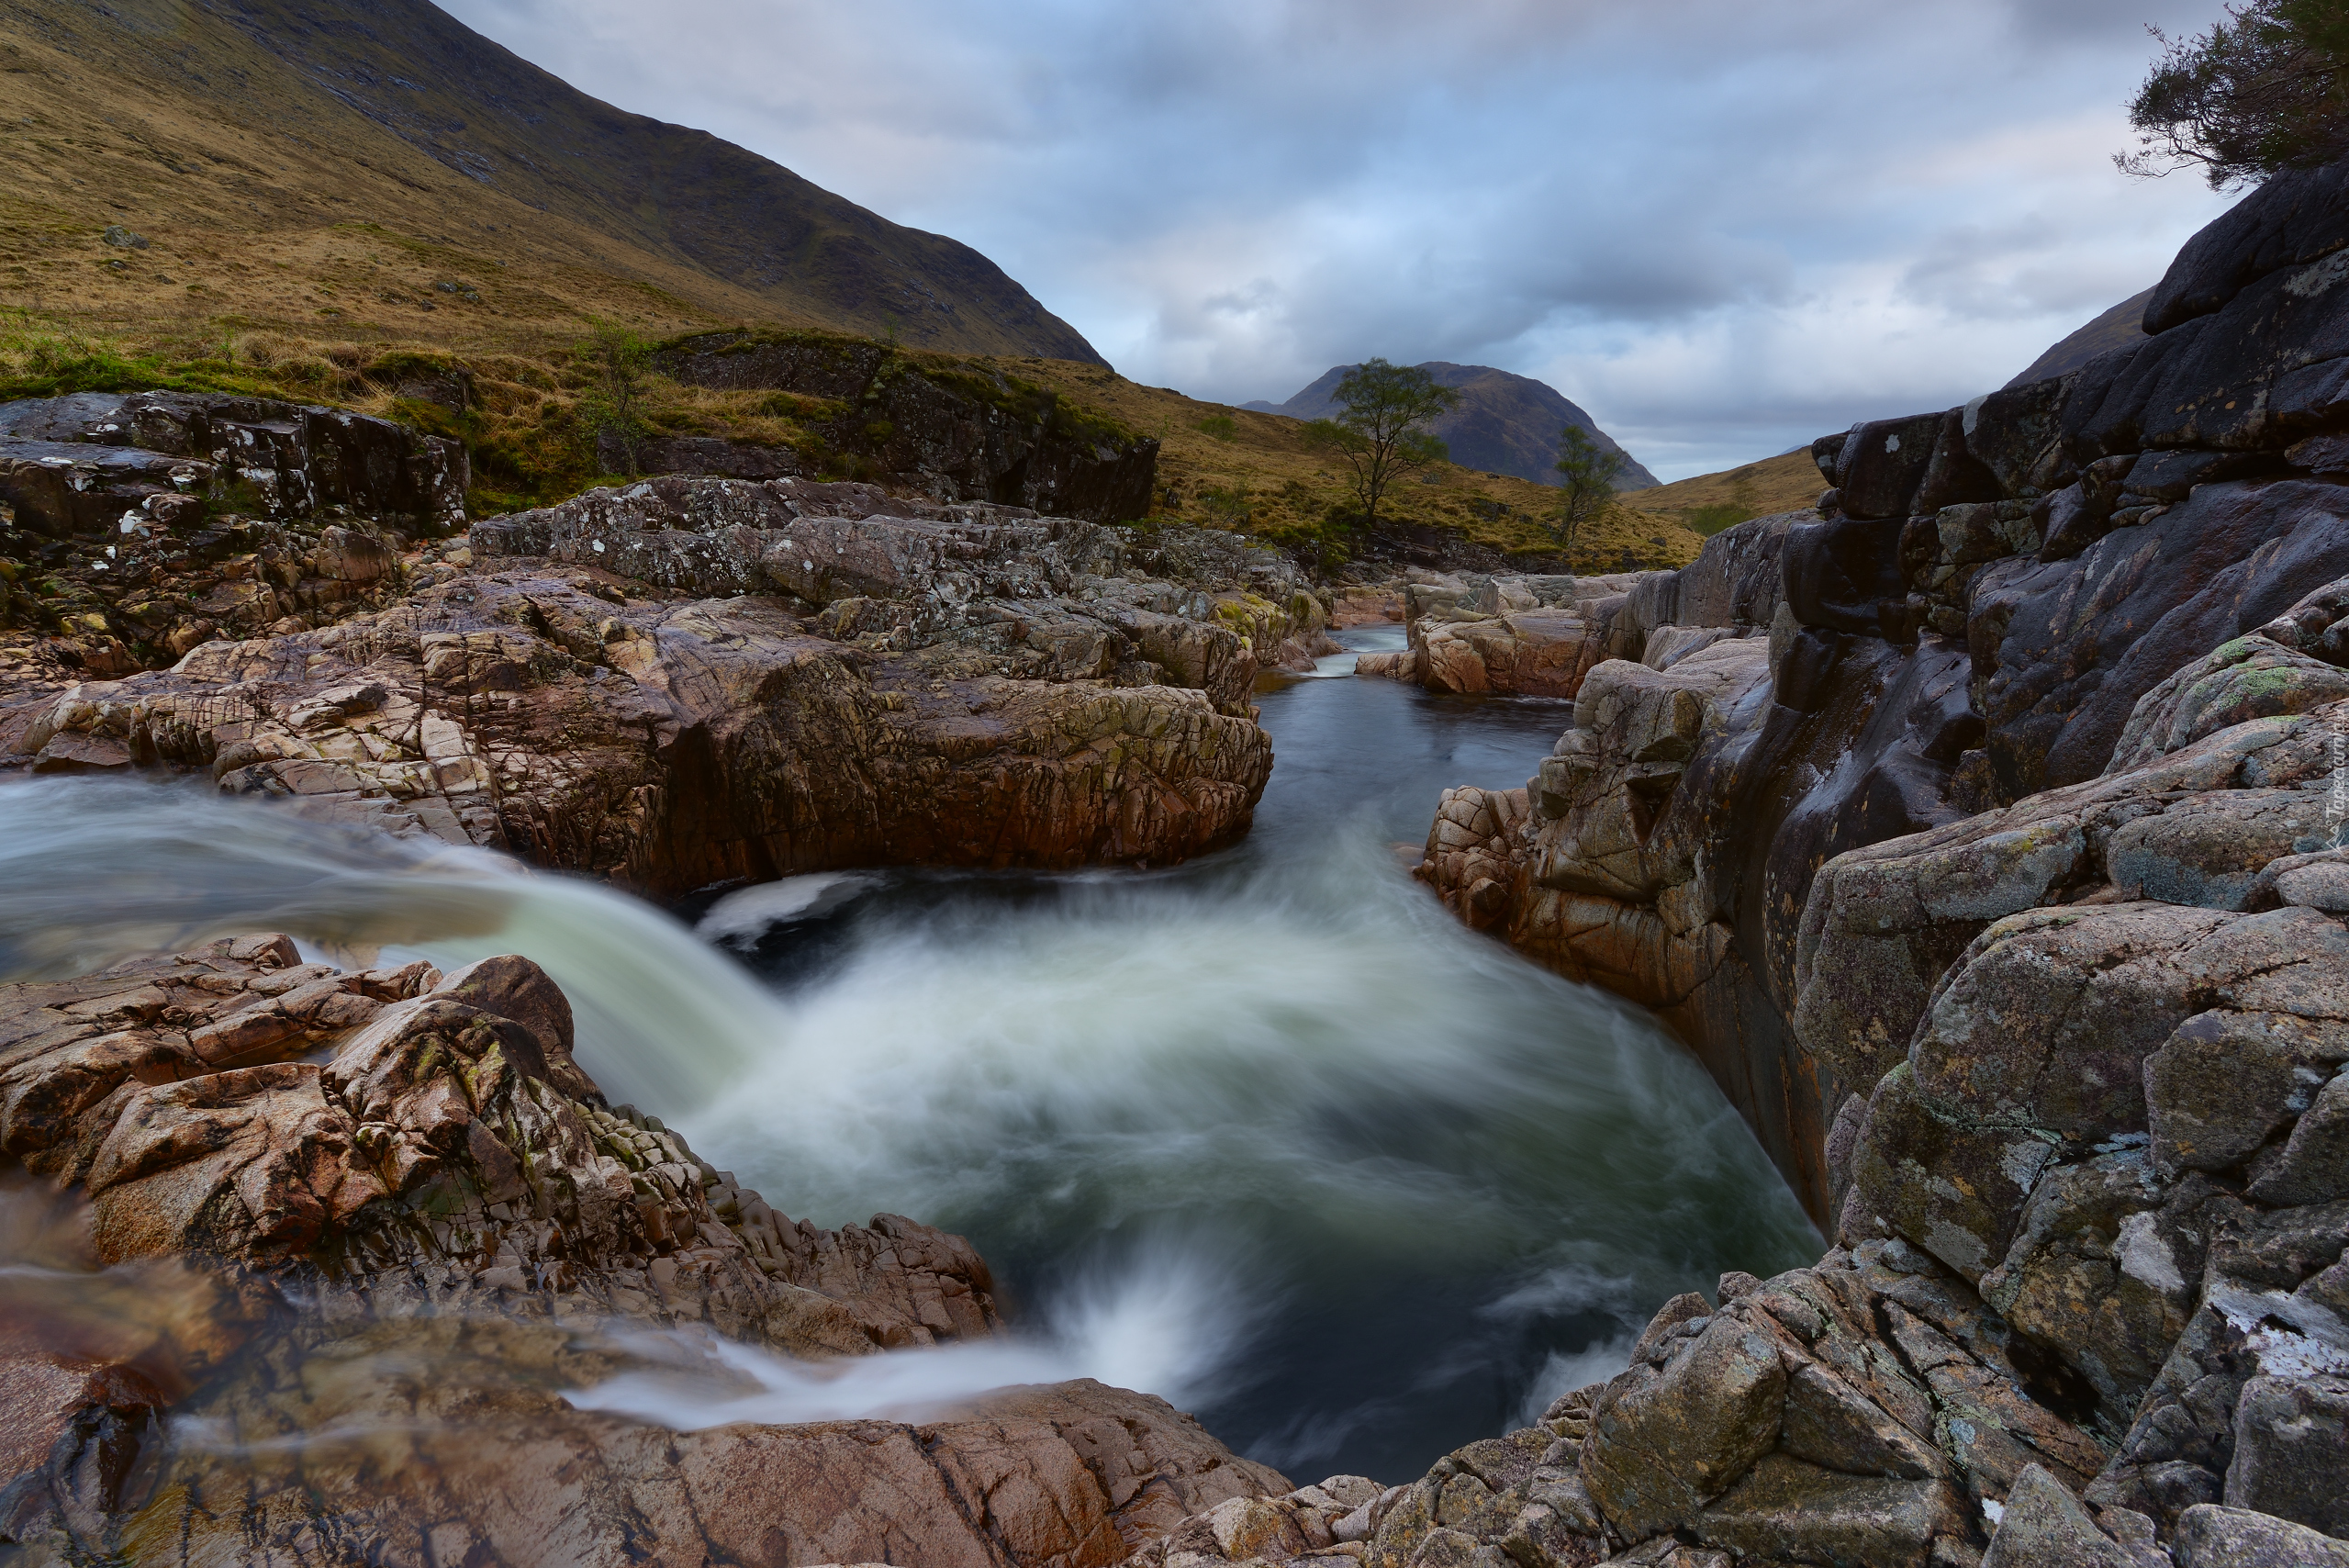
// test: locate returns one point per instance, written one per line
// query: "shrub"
(2265, 89)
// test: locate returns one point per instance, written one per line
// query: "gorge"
(751, 1015)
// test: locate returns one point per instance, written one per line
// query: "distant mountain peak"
(1506, 423)
(2113, 329)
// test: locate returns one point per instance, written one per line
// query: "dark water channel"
(1268, 1133)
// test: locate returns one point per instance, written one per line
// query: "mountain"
(1710, 502)
(239, 128)
(2116, 327)
(1504, 424)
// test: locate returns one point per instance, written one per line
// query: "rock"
(510, 986)
(2018, 848)
(1788, 1508)
(707, 456)
(2210, 1536)
(2292, 1444)
(432, 1197)
(2059, 691)
(2314, 882)
(986, 435)
(1366, 606)
(1881, 462)
(1531, 635)
(2247, 678)
(2043, 1523)
(2313, 1166)
(151, 447)
(2213, 850)
(668, 743)
(123, 239)
(2295, 220)
(2225, 1081)
(1665, 1442)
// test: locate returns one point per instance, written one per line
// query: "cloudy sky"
(1720, 226)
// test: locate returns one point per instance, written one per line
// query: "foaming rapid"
(1169, 1327)
(1270, 1135)
(93, 871)
(1396, 1143)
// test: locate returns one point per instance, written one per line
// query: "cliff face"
(973, 433)
(1978, 833)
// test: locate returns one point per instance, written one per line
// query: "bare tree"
(1378, 431)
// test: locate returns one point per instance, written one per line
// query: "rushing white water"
(1167, 1325)
(95, 870)
(1271, 1134)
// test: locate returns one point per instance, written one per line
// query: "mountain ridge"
(1506, 423)
(279, 117)
(2110, 328)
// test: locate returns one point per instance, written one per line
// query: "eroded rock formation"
(135, 526)
(1506, 635)
(965, 432)
(696, 681)
(1981, 835)
(356, 1233)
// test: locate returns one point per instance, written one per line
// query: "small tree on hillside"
(1377, 429)
(2265, 89)
(618, 362)
(1590, 471)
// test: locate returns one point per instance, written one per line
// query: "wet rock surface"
(355, 1233)
(1989, 858)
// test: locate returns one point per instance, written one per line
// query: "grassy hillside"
(515, 399)
(375, 207)
(1710, 502)
(379, 167)
(1254, 471)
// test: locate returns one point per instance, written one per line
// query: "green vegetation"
(1227, 507)
(527, 407)
(1589, 471)
(2267, 88)
(1377, 431)
(619, 361)
(1713, 517)
(41, 360)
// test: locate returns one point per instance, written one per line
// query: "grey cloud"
(1708, 222)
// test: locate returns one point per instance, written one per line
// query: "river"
(1269, 1132)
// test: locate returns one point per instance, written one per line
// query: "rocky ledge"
(1981, 834)
(1510, 633)
(327, 1248)
(695, 680)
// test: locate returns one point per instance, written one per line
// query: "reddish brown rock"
(370, 1279)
